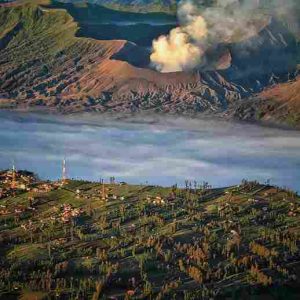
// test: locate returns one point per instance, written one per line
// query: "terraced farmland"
(84, 240)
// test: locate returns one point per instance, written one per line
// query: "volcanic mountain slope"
(277, 104)
(262, 59)
(43, 63)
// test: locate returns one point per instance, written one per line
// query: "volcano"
(47, 62)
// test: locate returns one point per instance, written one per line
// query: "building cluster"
(13, 180)
(294, 209)
(68, 212)
(43, 187)
(158, 200)
(4, 210)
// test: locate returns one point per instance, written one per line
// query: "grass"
(38, 45)
(27, 252)
(29, 295)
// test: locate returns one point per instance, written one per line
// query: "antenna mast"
(13, 181)
(64, 172)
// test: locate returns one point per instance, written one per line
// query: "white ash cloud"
(202, 27)
(180, 49)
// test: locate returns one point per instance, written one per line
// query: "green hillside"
(40, 33)
(33, 40)
(86, 240)
(40, 55)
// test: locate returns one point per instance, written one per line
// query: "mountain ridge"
(141, 6)
(278, 104)
(44, 64)
(93, 75)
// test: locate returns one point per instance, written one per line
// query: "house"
(159, 201)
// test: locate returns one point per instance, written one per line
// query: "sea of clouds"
(157, 151)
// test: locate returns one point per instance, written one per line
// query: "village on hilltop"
(75, 239)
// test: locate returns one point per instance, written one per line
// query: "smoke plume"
(202, 26)
(181, 49)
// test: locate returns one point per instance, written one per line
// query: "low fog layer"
(164, 152)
